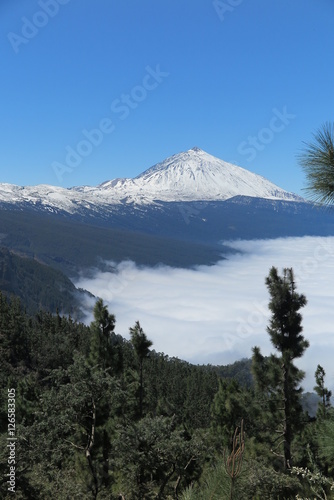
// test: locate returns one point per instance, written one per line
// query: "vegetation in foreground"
(99, 417)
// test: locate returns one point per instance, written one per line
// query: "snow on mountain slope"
(197, 175)
(188, 176)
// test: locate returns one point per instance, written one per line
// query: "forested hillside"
(71, 245)
(37, 285)
(90, 415)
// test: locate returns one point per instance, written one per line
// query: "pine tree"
(227, 410)
(141, 346)
(277, 378)
(102, 328)
(322, 391)
(317, 162)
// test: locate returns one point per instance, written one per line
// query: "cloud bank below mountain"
(216, 314)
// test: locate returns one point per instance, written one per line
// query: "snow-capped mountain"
(196, 175)
(193, 175)
(177, 213)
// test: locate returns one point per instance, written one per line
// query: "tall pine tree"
(277, 378)
(322, 391)
(103, 326)
(141, 346)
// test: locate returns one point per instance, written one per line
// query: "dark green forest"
(37, 285)
(70, 245)
(87, 414)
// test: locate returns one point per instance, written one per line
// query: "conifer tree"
(102, 328)
(317, 161)
(227, 409)
(141, 346)
(322, 391)
(277, 378)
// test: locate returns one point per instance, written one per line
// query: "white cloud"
(216, 314)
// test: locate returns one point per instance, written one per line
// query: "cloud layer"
(216, 314)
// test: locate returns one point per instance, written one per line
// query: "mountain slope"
(179, 234)
(37, 285)
(193, 175)
(70, 245)
(176, 213)
(197, 175)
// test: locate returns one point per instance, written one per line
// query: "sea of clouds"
(216, 314)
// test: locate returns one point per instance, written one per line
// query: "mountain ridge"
(193, 175)
(78, 228)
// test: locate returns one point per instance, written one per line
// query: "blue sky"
(94, 90)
